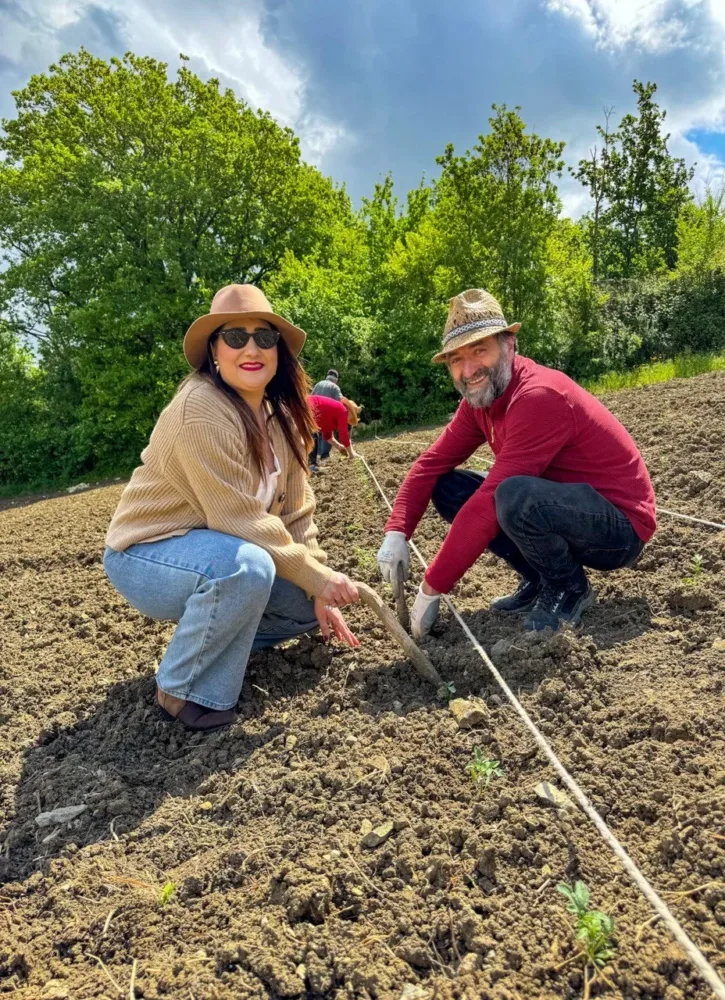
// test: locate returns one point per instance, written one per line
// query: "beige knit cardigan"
(197, 472)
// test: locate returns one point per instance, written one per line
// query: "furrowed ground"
(232, 865)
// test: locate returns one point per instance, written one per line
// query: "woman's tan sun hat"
(353, 411)
(472, 316)
(237, 302)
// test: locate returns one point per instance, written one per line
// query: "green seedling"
(593, 931)
(447, 690)
(483, 770)
(696, 568)
(365, 559)
(166, 893)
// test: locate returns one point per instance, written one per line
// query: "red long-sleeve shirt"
(543, 425)
(330, 415)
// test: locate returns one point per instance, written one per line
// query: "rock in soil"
(468, 712)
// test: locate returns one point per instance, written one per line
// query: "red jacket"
(330, 415)
(543, 425)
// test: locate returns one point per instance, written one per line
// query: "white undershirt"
(268, 485)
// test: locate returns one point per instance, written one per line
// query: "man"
(329, 416)
(328, 387)
(568, 488)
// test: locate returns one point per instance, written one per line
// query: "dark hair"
(504, 336)
(333, 372)
(286, 393)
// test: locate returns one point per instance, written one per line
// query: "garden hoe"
(371, 599)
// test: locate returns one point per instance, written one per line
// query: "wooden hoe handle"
(371, 599)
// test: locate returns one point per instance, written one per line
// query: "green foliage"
(167, 893)
(638, 190)
(495, 209)
(696, 569)
(682, 366)
(701, 236)
(24, 433)
(593, 929)
(482, 770)
(365, 558)
(447, 690)
(127, 198)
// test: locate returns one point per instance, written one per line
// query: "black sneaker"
(555, 605)
(522, 599)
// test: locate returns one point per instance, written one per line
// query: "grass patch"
(683, 366)
(366, 559)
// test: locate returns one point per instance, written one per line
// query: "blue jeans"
(228, 602)
(549, 530)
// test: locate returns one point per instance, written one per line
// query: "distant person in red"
(568, 488)
(330, 416)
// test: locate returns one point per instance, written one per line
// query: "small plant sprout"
(696, 569)
(593, 931)
(447, 690)
(483, 770)
(166, 893)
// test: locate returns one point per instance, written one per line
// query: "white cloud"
(678, 43)
(222, 39)
(654, 25)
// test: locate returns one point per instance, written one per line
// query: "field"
(233, 865)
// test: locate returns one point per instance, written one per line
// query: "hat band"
(478, 324)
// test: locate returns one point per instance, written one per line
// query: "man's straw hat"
(472, 316)
(232, 303)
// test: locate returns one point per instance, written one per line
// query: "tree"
(126, 200)
(701, 235)
(23, 441)
(496, 208)
(638, 189)
(593, 173)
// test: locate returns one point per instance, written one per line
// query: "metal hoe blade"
(400, 604)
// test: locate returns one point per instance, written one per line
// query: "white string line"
(656, 902)
(686, 517)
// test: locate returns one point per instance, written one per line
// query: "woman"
(215, 528)
(329, 416)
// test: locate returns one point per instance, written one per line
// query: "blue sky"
(382, 85)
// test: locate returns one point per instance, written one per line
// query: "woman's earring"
(216, 365)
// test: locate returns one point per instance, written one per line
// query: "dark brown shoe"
(199, 718)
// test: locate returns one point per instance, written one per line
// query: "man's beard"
(498, 379)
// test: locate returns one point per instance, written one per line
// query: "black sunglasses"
(237, 339)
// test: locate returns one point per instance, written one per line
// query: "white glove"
(424, 613)
(391, 554)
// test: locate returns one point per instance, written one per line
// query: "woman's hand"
(339, 591)
(331, 620)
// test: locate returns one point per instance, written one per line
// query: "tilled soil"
(233, 865)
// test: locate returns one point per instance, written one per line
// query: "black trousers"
(548, 530)
(312, 457)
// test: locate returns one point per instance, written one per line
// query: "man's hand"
(393, 553)
(425, 611)
(350, 452)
